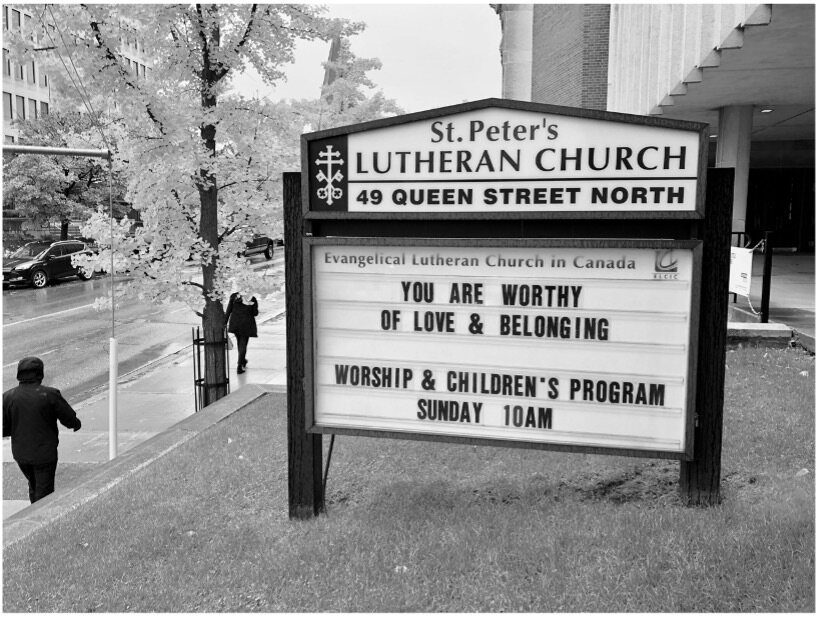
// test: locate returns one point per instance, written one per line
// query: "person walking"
(241, 319)
(30, 415)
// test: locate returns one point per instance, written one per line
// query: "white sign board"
(505, 160)
(740, 271)
(533, 341)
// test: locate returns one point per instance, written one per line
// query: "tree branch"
(247, 34)
(227, 233)
(194, 284)
(112, 57)
(222, 71)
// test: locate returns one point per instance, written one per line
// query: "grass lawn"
(424, 527)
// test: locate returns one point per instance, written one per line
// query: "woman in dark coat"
(241, 322)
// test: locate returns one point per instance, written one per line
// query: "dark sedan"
(37, 263)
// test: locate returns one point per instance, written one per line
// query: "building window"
(32, 79)
(20, 108)
(5, 18)
(43, 79)
(6, 63)
(32, 109)
(28, 31)
(43, 108)
(15, 20)
(7, 115)
(9, 139)
(19, 71)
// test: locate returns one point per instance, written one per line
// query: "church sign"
(538, 342)
(503, 160)
(575, 343)
(506, 273)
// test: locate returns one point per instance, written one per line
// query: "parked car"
(40, 262)
(259, 244)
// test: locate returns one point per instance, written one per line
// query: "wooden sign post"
(700, 474)
(507, 274)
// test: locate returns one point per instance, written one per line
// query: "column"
(516, 51)
(733, 150)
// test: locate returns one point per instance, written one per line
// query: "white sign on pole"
(568, 343)
(740, 271)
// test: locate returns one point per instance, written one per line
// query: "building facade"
(26, 91)
(747, 70)
(27, 94)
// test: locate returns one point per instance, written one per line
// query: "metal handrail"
(199, 344)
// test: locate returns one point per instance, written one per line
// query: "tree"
(58, 188)
(201, 164)
(344, 96)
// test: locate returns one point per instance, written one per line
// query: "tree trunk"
(64, 223)
(213, 317)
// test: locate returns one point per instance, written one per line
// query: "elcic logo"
(329, 162)
(666, 265)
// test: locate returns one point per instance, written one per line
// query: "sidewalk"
(791, 300)
(152, 400)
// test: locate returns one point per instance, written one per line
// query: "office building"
(747, 70)
(26, 93)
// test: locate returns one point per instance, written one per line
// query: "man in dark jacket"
(30, 415)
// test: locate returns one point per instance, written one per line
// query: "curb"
(769, 333)
(805, 341)
(755, 331)
(35, 516)
(741, 319)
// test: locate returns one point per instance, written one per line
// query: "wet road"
(60, 325)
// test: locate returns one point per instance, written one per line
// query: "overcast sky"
(432, 55)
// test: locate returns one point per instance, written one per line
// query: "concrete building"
(26, 93)
(747, 70)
